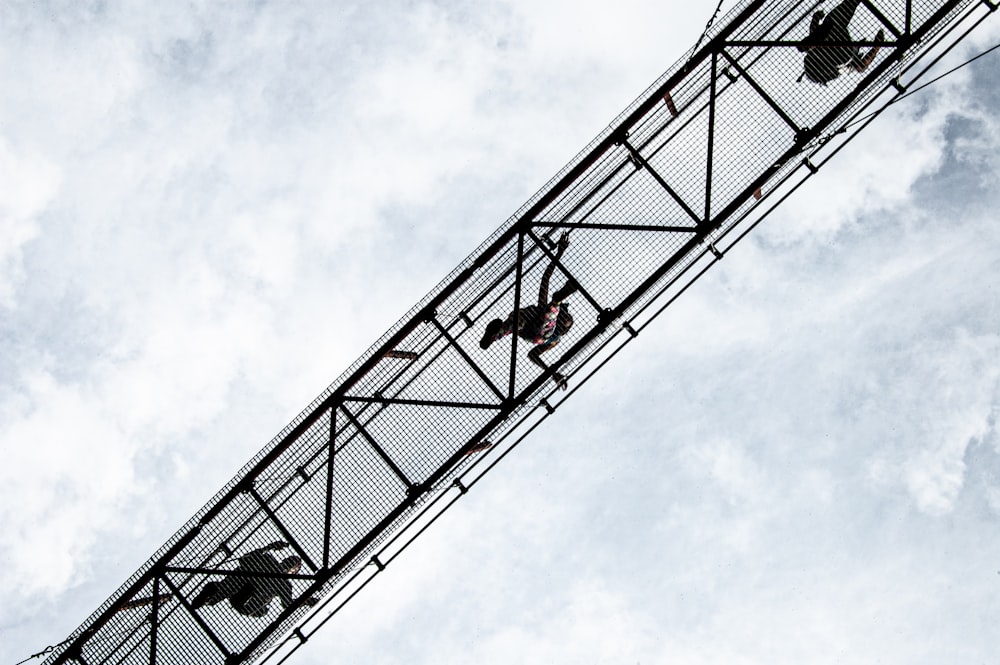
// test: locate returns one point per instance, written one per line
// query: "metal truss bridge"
(675, 181)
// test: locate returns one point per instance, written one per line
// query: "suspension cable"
(708, 26)
(826, 138)
(44, 652)
(910, 92)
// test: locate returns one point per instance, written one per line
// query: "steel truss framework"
(650, 204)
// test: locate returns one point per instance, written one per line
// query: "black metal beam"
(389, 462)
(648, 168)
(763, 95)
(328, 507)
(601, 226)
(710, 143)
(518, 282)
(389, 401)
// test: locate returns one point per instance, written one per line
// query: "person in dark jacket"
(543, 324)
(249, 594)
(823, 62)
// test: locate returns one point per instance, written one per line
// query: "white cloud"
(30, 182)
(591, 623)
(65, 492)
(961, 385)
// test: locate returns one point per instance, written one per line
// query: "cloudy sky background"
(208, 211)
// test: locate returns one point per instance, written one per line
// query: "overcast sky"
(209, 210)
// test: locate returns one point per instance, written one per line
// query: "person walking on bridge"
(542, 324)
(249, 592)
(826, 47)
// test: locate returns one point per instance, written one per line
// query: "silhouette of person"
(823, 62)
(543, 324)
(249, 594)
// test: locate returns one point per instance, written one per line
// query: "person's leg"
(867, 59)
(839, 18)
(568, 289)
(243, 598)
(497, 329)
(210, 594)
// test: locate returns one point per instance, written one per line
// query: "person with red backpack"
(543, 324)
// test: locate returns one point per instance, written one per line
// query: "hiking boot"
(490, 334)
